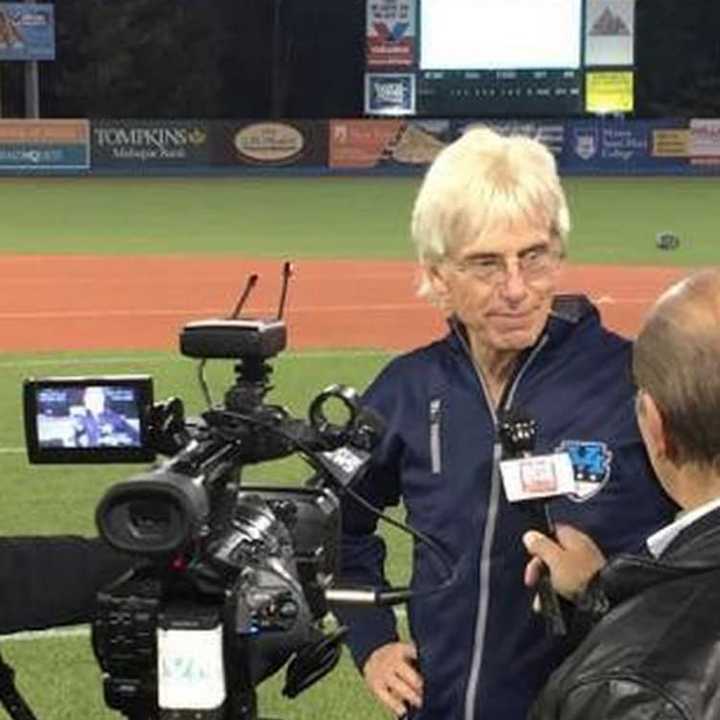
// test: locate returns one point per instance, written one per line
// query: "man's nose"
(514, 288)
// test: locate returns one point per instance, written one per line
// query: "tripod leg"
(10, 696)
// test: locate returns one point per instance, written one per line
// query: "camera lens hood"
(154, 514)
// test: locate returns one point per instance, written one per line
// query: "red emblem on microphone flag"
(538, 476)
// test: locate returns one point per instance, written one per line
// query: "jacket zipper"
(489, 533)
(435, 454)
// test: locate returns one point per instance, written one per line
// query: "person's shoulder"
(419, 359)
(646, 640)
(576, 318)
(412, 369)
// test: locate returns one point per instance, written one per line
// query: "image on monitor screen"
(92, 416)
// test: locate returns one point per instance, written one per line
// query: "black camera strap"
(10, 696)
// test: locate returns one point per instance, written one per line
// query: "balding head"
(676, 359)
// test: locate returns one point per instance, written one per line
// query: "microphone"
(530, 479)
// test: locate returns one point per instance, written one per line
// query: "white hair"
(481, 180)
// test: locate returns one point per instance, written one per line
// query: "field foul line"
(187, 312)
(176, 357)
(65, 314)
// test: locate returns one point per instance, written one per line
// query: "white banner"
(704, 138)
(390, 27)
(610, 32)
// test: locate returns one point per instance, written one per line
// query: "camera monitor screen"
(89, 419)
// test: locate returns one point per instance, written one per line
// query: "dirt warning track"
(72, 302)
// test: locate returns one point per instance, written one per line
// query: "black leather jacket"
(656, 655)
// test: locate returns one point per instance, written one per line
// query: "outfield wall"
(601, 146)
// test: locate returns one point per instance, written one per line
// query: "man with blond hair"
(490, 227)
(655, 653)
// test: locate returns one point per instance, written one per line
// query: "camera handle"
(10, 696)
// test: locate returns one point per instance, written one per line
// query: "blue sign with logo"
(27, 31)
(390, 94)
(616, 145)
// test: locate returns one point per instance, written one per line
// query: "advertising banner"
(27, 31)
(671, 143)
(371, 143)
(389, 94)
(549, 132)
(390, 33)
(269, 143)
(610, 32)
(149, 143)
(704, 141)
(609, 92)
(619, 146)
(44, 145)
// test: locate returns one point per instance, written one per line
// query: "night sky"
(298, 58)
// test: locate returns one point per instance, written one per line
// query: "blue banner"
(618, 146)
(27, 31)
(43, 157)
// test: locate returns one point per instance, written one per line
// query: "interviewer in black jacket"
(655, 655)
(50, 581)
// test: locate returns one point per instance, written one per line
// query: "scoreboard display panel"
(518, 57)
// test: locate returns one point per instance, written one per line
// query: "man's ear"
(653, 425)
(436, 275)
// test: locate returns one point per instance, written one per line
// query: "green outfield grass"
(65, 684)
(615, 219)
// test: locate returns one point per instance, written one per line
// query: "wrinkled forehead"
(498, 233)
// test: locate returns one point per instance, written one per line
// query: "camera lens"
(149, 519)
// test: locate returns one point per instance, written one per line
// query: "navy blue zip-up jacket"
(483, 653)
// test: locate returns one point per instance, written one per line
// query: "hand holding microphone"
(572, 558)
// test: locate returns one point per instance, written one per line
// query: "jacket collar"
(663, 538)
(567, 312)
(696, 549)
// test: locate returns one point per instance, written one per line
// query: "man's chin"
(515, 340)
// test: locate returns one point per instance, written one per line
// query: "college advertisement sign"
(622, 147)
(269, 143)
(149, 143)
(390, 33)
(27, 31)
(44, 145)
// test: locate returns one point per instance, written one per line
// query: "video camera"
(232, 580)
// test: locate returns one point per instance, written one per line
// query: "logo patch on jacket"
(591, 464)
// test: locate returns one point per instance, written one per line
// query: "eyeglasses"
(532, 264)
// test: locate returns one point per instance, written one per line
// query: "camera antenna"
(287, 274)
(249, 285)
